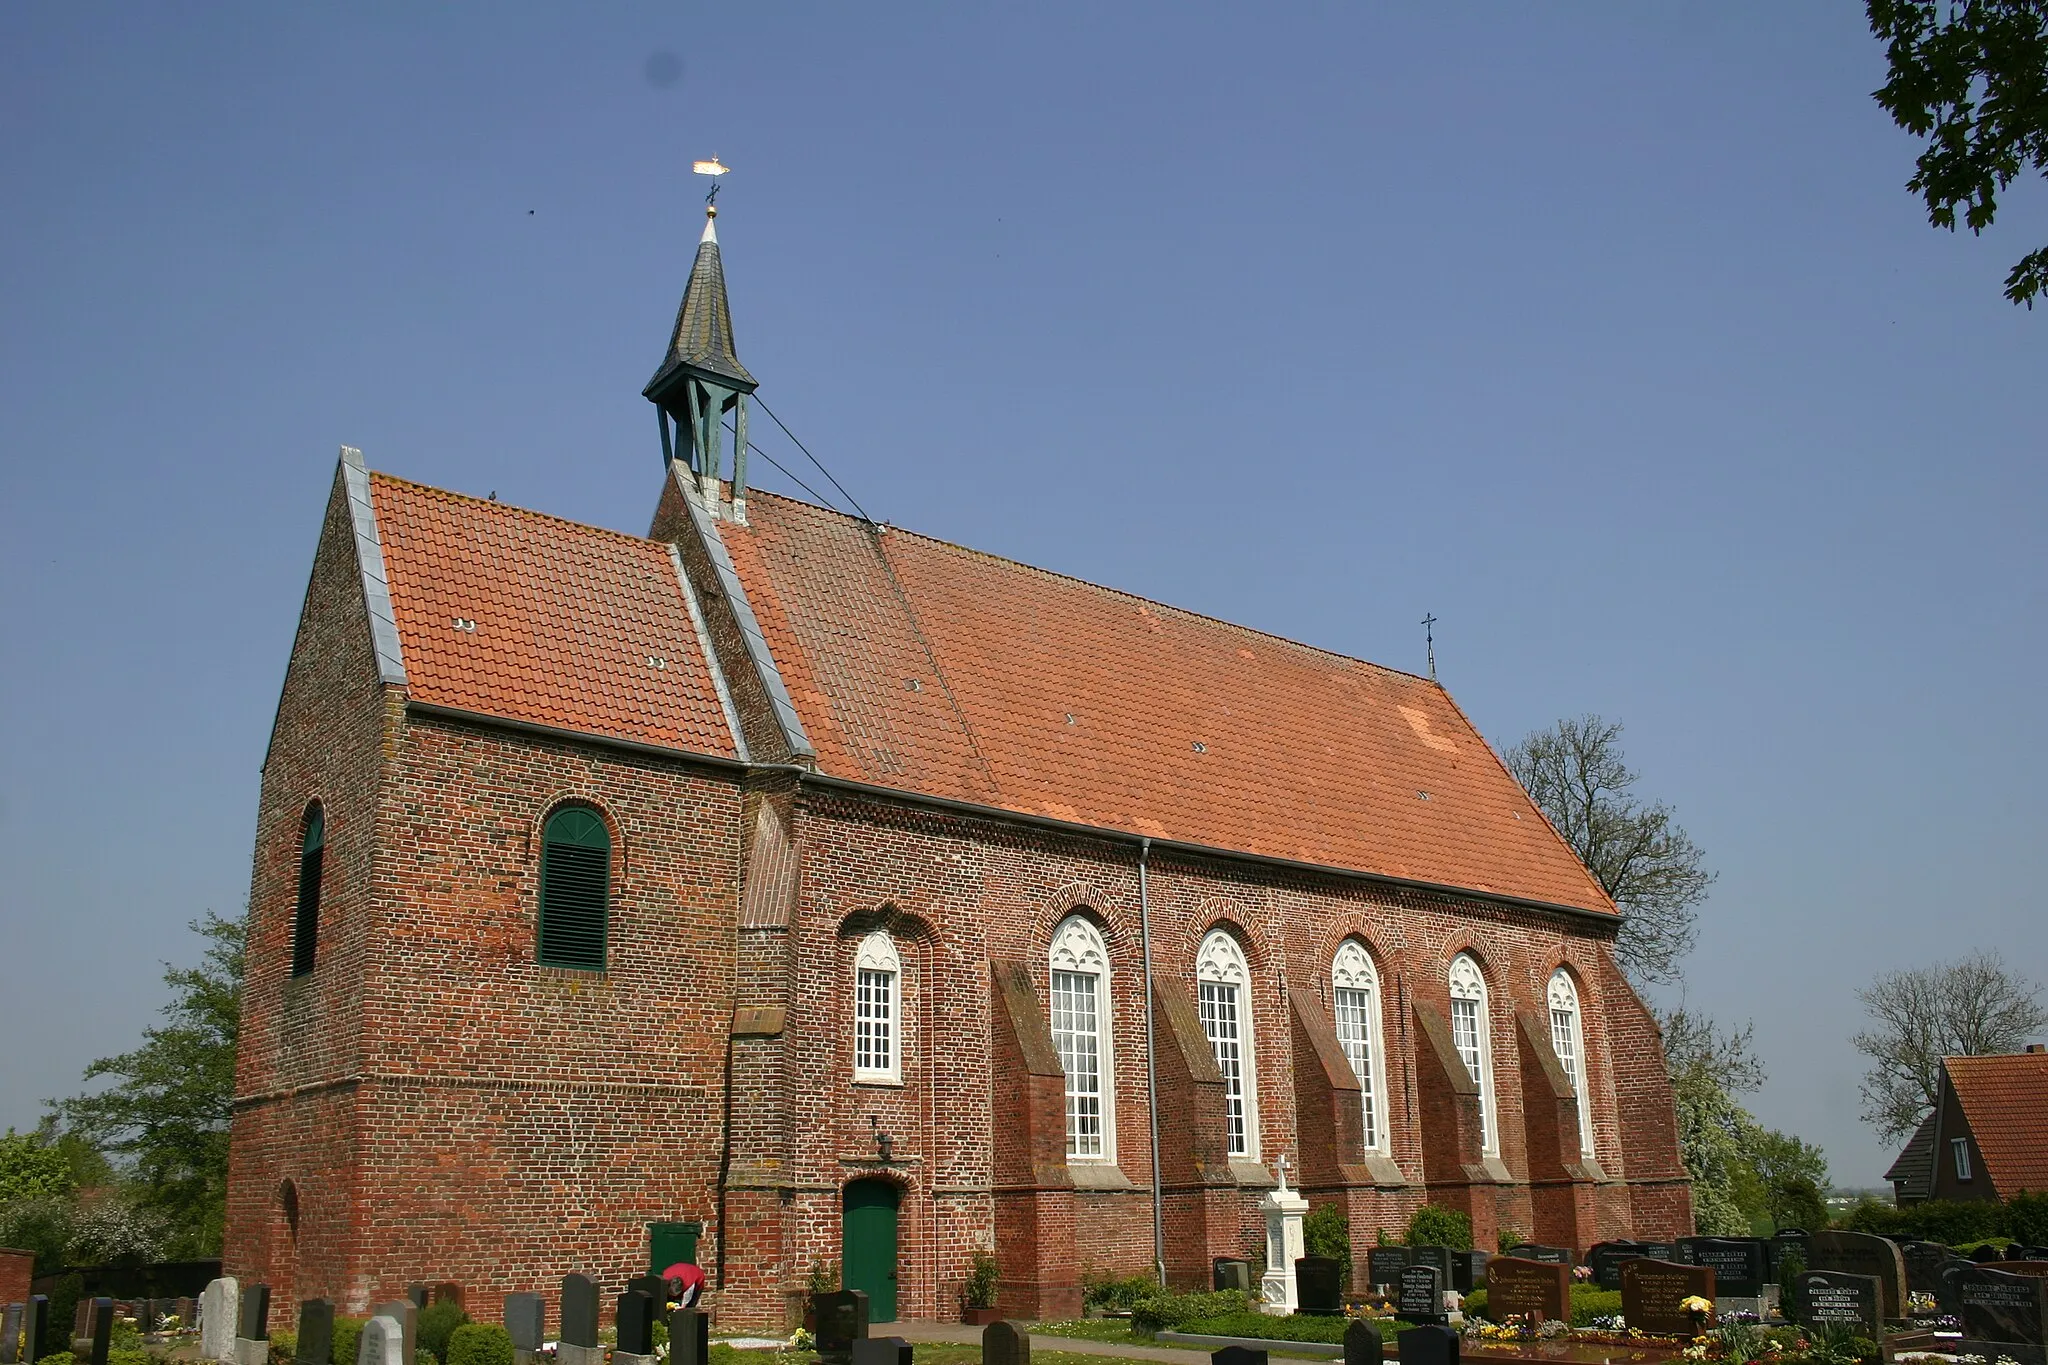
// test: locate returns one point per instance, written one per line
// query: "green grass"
(1093, 1329)
(928, 1353)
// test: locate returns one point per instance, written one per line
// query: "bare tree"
(1652, 869)
(1973, 1007)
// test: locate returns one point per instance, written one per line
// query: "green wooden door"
(668, 1243)
(867, 1251)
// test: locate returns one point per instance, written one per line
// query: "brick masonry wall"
(17, 1269)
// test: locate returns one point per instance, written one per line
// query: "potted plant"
(978, 1291)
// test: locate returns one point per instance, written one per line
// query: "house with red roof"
(797, 895)
(1987, 1136)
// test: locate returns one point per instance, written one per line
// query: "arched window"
(1471, 1030)
(575, 889)
(1080, 1030)
(877, 1011)
(1224, 980)
(1355, 998)
(306, 921)
(1568, 1040)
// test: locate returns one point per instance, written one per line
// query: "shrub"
(1168, 1312)
(284, 1348)
(1327, 1232)
(1436, 1226)
(979, 1289)
(436, 1323)
(824, 1277)
(1948, 1221)
(2026, 1218)
(479, 1343)
(422, 1356)
(347, 1334)
(1106, 1295)
(61, 1358)
(136, 1357)
(1293, 1327)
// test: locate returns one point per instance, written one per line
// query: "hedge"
(479, 1343)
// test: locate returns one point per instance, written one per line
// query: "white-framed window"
(1081, 1033)
(1224, 981)
(1568, 1040)
(1355, 1001)
(877, 1011)
(1961, 1148)
(1471, 1031)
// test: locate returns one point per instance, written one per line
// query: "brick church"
(784, 891)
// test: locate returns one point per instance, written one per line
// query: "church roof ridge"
(414, 485)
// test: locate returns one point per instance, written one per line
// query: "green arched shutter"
(306, 923)
(575, 889)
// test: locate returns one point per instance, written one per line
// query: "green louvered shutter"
(575, 889)
(306, 924)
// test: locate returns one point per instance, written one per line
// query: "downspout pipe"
(1151, 1062)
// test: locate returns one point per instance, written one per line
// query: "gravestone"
(1362, 1344)
(10, 1333)
(1741, 1265)
(1427, 1346)
(1383, 1265)
(1924, 1261)
(633, 1315)
(35, 1322)
(2015, 1252)
(1228, 1272)
(1653, 1294)
(418, 1294)
(526, 1322)
(382, 1342)
(655, 1288)
(1606, 1258)
(1860, 1254)
(252, 1330)
(1468, 1270)
(316, 1333)
(1440, 1257)
(1002, 1343)
(689, 1337)
(1420, 1297)
(1984, 1254)
(406, 1314)
(1946, 1297)
(1535, 1251)
(188, 1314)
(2022, 1267)
(81, 1326)
(1836, 1296)
(102, 1330)
(881, 1351)
(1782, 1241)
(2007, 1313)
(1523, 1288)
(1238, 1355)
(219, 1309)
(1319, 1288)
(842, 1319)
(579, 1344)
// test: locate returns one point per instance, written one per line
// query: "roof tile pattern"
(927, 667)
(566, 619)
(2005, 1098)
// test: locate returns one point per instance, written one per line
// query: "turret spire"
(701, 378)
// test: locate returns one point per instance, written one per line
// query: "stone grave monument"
(220, 1309)
(35, 1325)
(316, 1333)
(1653, 1295)
(689, 1337)
(1283, 1209)
(1857, 1253)
(633, 1315)
(1383, 1266)
(579, 1344)
(382, 1342)
(526, 1322)
(1606, 1259)
(1741, 1267)
(1535, 1290)
(1536, 1251)
(1468, 1270)
(102, 1330)
(1005, 1343)
(1924, 1261)
(1429, 1345)
(10, 1333)
(1319, 1286)
(1440, 1257)
(1238, 1355)
(1420, 1297)
(252, 1330)
(881, 1351)
(1228, 1272)
(406, 1314)
(2004, 1315)
(1836, 1296)
(842, 1319)
(1362, 1344)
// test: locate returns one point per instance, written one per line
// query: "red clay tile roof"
(567, 618)
(2005, 1099)
(927, 667)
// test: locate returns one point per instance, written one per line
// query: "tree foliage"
(1971, 77)
(167, 1110)
(33, 1168)
(1576, 775)
(1742, 1173)
(1972, 1007)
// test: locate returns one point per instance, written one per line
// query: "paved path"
(962, 1334)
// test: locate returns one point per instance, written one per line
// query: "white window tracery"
(1568, 1040)
(1223, 978)
(1472, 1033)
(1081, 1033)
(877, 1011)
(1355, 1001)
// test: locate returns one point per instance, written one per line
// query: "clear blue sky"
(1604, 332)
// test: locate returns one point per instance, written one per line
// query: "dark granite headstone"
(1860, 1254)
(1947, 1296)
(2015, 1252)
(1522, 1288)
(1924, 1261)
(418, 1294)
(842, 1319)
(1238, 1355)
(1468, 1270)
(1535, 1251)
(1999, 1306)
(1440, 1257)
(2023, 1267)
(1835, 1296)
(1005, 1343)
(1783, 1240)
(35, 1324)
(1653, 1294)
(634, 1317)
(881, 1351)
(1420, 1297)
(579, 1310)
(1741, 1265)
(102, 1330)
(316, 1333)
(1362, 1344)
(1982, 1255)
(1606, 1259)
(254, 1324)
(1228, 1272)
(526, 1321)
(10, 1333)
(689, 1337)
(1427, 1346)
(1318, 1286)
(1383, 1265)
